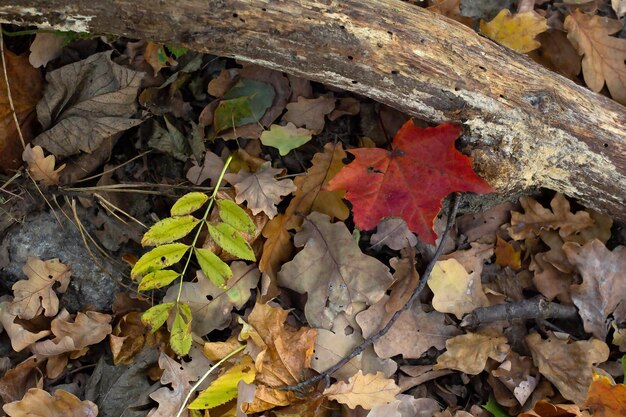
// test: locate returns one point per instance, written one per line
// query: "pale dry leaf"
(406, 406)
(366, 391)
(41, 167)
(261, 189)
(348, 106)
(36, 294)
(567, 365)
(603, 287)
(310, 113)
(46, 47)
(38, 403)
(518, 374)
(537, 218)
(86, 102)
(469, 352)
(603, 55)
(619, 6)
(455, 291)
(393, 233)
(20, 337)
(171, 398)
(333, 271)
(210, 169)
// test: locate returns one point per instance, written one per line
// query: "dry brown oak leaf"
(394, 233)
(280, 354)
(20, 337)
(41, 167)
(537, 218)
(36, 295)
(366, 391)
(38, 403)
(310, 113)
(567, 365)
(469, 352)
(170, 399)
(261, 189)
(603, 290)
(603, 55)
(333, 272)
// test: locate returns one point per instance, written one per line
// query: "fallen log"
(525, 125)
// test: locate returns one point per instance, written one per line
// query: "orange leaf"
(606, 399)
(41, 167)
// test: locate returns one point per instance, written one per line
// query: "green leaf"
(180, 334)
(244, 103)
(158, 258)
(285, 138)
(157, 279)
(155, 316)
(624, 368)
(224, 388)
(177, 51)
(188, 203)
(494, 408)
(169, 230)
(231, 241)
(213, 267)
(234, 215)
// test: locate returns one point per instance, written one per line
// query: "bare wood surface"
(525, 125)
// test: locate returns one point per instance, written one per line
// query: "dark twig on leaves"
(537, 308)
(380, 333)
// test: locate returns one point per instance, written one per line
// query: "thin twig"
(380, 333)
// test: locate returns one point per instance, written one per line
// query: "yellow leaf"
(366, 391)
(469, 352)
(603, 55)
(169, 230)
(517, 31)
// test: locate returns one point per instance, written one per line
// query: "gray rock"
(42, 236)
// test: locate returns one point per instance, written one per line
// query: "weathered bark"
(526, 126)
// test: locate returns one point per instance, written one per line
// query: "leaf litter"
(295, 265)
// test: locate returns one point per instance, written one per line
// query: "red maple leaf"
(410, 181)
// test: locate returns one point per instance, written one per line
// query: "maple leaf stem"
(202, 222)
(454, 206)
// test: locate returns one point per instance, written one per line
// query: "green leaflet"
(235, 216)
(285, 138)
(157, 279)
(177, 51)
(169, 230)
(188, 203)
(155, 316)
(244, 103)
(180, 334)
(213, 267)
(227, 238)
(224, 388)
(158, 258)
(494, 408)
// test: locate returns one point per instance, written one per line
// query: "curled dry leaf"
(40, 167)
(567, 365)
(603, 55)
(332, 271)
(366, 391)
(20, 337)
(261, 189)
(517, 31)
(469, 352)
(603, 288)
(36, 294)
(38, 403)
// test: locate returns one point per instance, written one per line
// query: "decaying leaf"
(603, 55)
(86, 102)
(36, 294)
(381, 183)
(545, 409)
(406, 406)
(46, 47)
(517, 31)
(209, 170)
(606, 399)
(157, 58)
(567, 365)
(366, 391)
(260, 189)
(41, 168)
(603, 287)
(332, 271)
(393, 233)
(171, 399)
(310, 113)
(38, 403)
(469, 352)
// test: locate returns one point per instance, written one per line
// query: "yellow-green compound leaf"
(156, 316)
(213, 267)
(229, 239)
(157, 279)
(188, 203)
(169, 230)
(224, 388)
(180, 335)
(235, 216)
(158, 258)
(285, 138)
